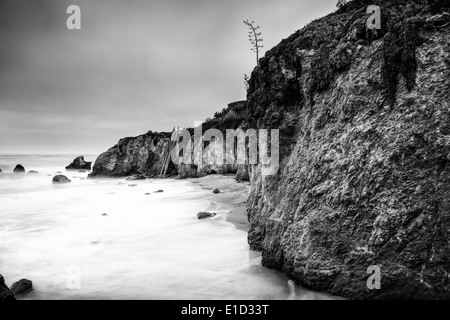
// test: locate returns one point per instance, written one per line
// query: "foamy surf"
(102, 239)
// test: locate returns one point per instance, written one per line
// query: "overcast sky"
(134, 66)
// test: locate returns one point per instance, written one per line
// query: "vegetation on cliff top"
(334, 39)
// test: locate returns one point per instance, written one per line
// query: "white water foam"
(146, 247)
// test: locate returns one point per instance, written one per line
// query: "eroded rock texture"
(365, 173)
(79, 164)
(144, 154)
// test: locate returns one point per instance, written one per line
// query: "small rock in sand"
(32, 171)
(136, 177)
(104, 215)
(204, 215)
(23, 286)
(60, 179)
(19, 168)
(0, 170)
(159, 191)
(132, 185)
(216, 191)
(147, 194)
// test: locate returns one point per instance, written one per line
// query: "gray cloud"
(135, 66)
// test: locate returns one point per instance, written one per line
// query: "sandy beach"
(232, 198)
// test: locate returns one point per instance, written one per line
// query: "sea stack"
(19, 169)
(79, 164)
(22, 287)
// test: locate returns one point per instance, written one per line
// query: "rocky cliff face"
(146, 154)
(364, 119)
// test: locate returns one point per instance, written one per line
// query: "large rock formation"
(364, 119)
(5, 293)
(79, 164)
(22, 287)
(147, 154)
(144, 154)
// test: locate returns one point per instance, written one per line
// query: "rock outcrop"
(147, 154)
(60, 179)
(22, 287)
(364, 119)
(142, 155)
(19, 169)
(5, 293)
(79, 164)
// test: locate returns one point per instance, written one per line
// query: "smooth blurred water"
(146, 247)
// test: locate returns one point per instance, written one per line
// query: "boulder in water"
(60, 179)
(22, 287)
(79, 164)
(5, 293)
(19, 169)
(204, 215)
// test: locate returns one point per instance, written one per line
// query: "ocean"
(109, 239)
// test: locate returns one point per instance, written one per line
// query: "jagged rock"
(22, 287)
(142, 155)
(204, 215)
(60, 179)
(216, 191)
(5, 293)
(19, 169)
(79, 164)
(147, 154)
(359, 185)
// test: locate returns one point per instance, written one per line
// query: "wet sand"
(232, 197)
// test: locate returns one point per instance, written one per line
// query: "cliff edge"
(364, 118)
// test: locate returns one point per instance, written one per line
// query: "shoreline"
(232, 198)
